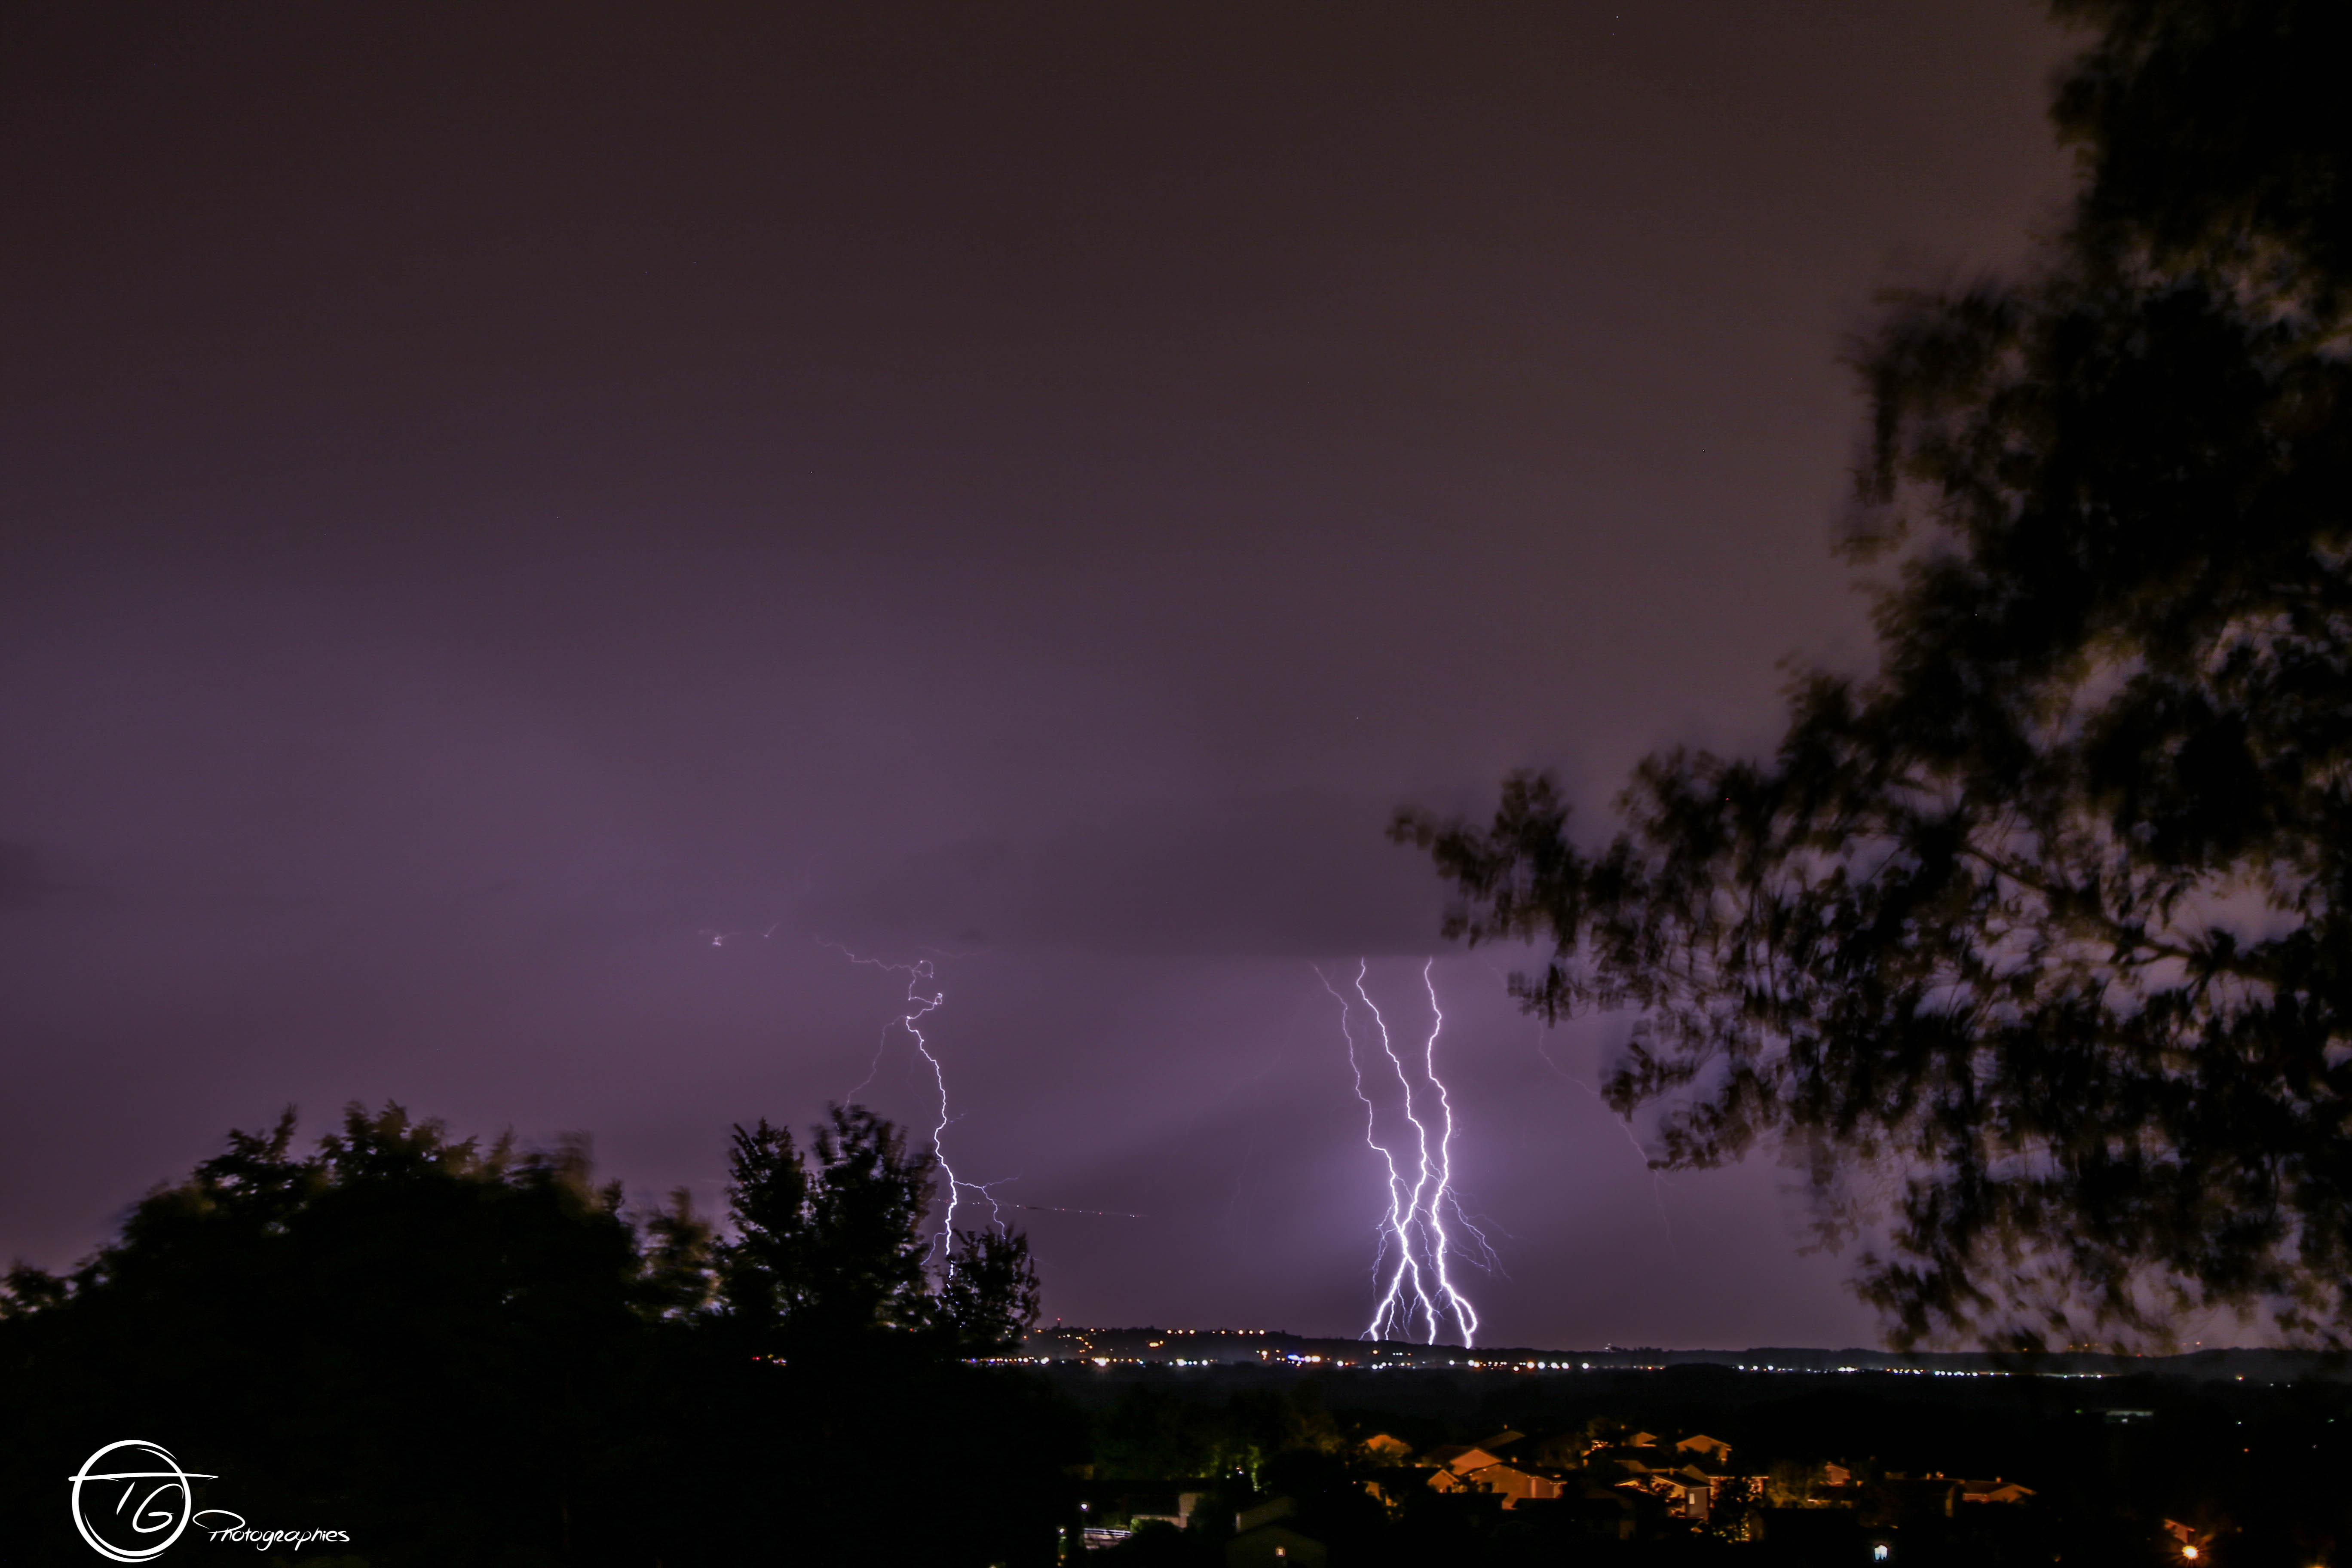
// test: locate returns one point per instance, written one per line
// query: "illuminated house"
(1486, 1466)
(1688, 1492)
(1461, 1459)
(1514, 1484)
(1706, 1449)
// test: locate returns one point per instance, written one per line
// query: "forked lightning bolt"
(1419, 1297)
(921, 1003)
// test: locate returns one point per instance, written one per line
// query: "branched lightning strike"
(1442, 1193)
(921, 1003)
(1419, 1297)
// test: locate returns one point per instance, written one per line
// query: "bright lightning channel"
(920, 1004)
(1442, 1193)
(1420, 1298)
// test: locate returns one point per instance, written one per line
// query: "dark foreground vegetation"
(2033, 945)
(1709, 1464)
(459, 1355)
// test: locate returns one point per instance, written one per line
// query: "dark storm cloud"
(495, 499)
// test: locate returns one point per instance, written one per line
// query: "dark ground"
(2253, 1467)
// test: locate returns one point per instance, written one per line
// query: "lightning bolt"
(921, 1004)
(1442, 1193)
(1419, 1296)
(1397, 1222)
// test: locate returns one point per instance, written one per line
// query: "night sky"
(495, 495)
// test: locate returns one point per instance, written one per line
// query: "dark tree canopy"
(989, 1297)
(350, 1331)
(832, 1243)
(2040, 932)
(475, 1355)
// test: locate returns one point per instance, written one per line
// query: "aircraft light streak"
(1419, 1297)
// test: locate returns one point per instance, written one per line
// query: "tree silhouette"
(831, 1244)
(467, 1354)
(2044, 924)
(427, 1343)
(988, 1298)
(768, 1195)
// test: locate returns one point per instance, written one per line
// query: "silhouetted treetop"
(833, 1244)
(2209, 127)
(988, 1296)
(2043, 926)
(837, 1250)
(386, 1203)
(470, 1354)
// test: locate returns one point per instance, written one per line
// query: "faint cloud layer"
(22, 882)
(1304, 874)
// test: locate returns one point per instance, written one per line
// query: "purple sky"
(496, 493)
